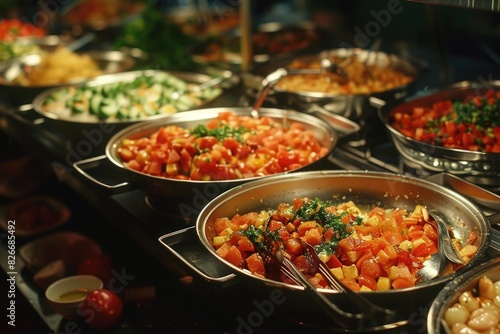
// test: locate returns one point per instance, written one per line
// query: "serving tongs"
(369, 315)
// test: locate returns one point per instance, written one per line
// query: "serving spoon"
(435, 265)
(327, 67)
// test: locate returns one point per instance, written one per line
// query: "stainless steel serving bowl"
(76, 128)
(364, 188)
(160, 187)
(452, 291)
(107, 61)
(272, 41)
(439, 158)
(353, 106)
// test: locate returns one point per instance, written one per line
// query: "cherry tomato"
(99, 265)
(101, 309)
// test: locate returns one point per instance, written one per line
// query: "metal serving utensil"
(199, 88)
(434, 266)
(450, 251)
(327, 68)
(369, 313)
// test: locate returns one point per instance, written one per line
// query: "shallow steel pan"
(367, 188)
(439, 158)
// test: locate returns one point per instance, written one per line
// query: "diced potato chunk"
(219, 240)
(417, 242)
(353, 255)
(406, 245)
(365, 288)
(468, 251)
(337, 272)
(393, 273)
(383, 284)
(350, 271)
(372, 221)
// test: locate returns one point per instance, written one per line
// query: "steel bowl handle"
(341, 124)
(79, 167)
(188, 263)
(494, 221)
(14, 113)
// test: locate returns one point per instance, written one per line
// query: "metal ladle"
(327, 68)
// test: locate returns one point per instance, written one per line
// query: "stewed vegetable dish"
(227, 147)
(362, 78)
(375, 249)
(471, 124)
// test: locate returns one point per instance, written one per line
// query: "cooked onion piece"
(477, 310)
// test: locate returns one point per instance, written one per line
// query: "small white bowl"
(68, 308)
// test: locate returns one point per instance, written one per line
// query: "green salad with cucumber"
(143, 97)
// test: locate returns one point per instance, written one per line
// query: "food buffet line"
(182, 175)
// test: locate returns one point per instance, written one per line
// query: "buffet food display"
(269, 41)
(153, 110)
(228, 147)
(132, 96)
(365, 73)
(476, 309)
(59, 67)
(471, 123)
(14, 38)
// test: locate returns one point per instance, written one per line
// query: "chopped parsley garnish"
(315, 210)
(485, 115)
(326, 247)
(252, 233)
(221, 132)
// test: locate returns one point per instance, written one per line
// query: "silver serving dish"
(35, 45)
(75, 128)
(438, 158)
(449, 295)
(305, 34)
(63, 115)
(366, 188)
(108, 61)
(352, 106)
(160, 187)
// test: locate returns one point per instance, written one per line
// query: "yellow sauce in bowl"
(73, 295)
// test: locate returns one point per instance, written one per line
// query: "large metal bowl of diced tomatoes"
(205, 152)
(455, 129)
(373, 230)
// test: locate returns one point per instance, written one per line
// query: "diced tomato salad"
(228, 147)
(376, 250)
(472, 124)
(10, 29)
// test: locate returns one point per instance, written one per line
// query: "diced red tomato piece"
(367, 281)
(234, 256)
(306, 226)
(256, 265)
(371, 268)
(313, 237)
(294, 247)
(401, 283)
(245, 245)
